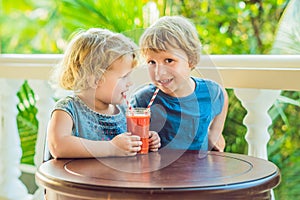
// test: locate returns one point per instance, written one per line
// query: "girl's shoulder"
(66, 102)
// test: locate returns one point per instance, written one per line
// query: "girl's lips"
(124, 93)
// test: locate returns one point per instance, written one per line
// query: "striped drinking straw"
(128, 104)
(152, 99)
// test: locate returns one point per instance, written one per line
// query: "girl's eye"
(126, 75)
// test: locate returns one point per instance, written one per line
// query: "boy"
(187, 111)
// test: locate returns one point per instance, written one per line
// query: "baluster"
(257, 102)
(150, 14)
(44, 104)
(10, 149)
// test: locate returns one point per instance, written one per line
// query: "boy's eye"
(169, 60)
(151, 62)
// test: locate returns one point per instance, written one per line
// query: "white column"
(257, 102)
(44, 105)
(10, 149)
(150, 14)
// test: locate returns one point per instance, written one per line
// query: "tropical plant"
(284, 146)
(27, 123)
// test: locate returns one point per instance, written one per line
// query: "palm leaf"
(27, 123)
(117, 16)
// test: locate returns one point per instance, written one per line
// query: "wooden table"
(160, 175)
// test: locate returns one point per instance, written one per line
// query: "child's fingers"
(135, 149)
(153, 136)
(135, 137)
(154, 147)
(127, 133)
(136, 143)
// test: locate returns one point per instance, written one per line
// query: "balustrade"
(257, 81)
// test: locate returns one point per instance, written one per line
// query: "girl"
(92, 122)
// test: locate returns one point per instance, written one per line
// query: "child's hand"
(154, 141)
(126, 144)
(218, 145)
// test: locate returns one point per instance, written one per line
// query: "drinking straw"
(152, 99)
(128, 104)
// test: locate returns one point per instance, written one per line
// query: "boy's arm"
(216, 140)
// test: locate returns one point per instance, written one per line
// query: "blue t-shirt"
(89, 124)
(182, 123)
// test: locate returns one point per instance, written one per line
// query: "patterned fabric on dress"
(90, 124)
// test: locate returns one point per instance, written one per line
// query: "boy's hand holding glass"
(154, 141)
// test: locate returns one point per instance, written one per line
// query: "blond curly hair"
(88, 56)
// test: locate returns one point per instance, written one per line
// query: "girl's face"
(170, 71)
(115, 81)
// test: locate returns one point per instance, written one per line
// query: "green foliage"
(127, 14)
(26, 27)
(27, 123)
(127, 17)
(283, 147)
(235, 27)
(234, 129)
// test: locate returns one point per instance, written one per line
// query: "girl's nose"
(129, 83)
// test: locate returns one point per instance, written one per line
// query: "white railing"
(257, 81)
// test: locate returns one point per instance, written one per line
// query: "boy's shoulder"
(142, 95)
(145, 89)
(206, 82)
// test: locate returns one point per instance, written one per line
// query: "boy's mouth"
(165, 82)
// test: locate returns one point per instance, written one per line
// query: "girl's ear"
(93, 82)
(99, 82)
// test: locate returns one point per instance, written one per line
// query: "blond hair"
(88, 55)
(172, 31)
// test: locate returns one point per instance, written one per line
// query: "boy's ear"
(192, 66)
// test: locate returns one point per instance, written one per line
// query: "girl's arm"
(63, 145)
(215, 138)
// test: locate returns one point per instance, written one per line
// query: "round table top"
(160, 171)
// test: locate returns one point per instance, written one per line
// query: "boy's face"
(170, 71)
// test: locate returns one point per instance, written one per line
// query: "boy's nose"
(160, 70)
